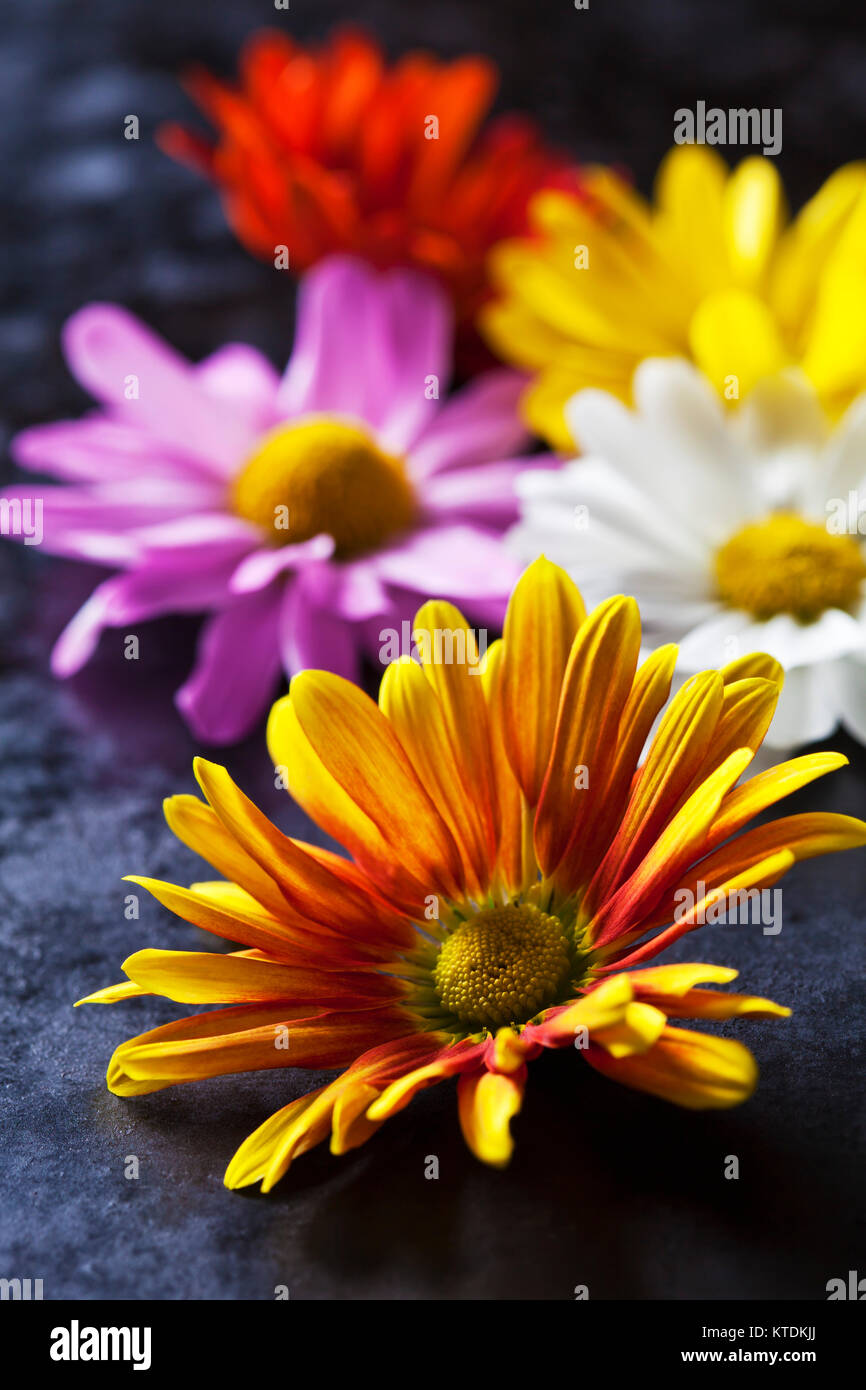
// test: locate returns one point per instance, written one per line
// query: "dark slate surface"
(608, 1188)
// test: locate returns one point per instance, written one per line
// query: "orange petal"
(249, 1038)
(764, 790)
(671, 989)
(603, 1007)
(198, 826)
(268, 1153)
(345, 766)
(516, 858)
(458, 687)
(336, 903)
(747, 710)
(675, 755)
(590, 841)
(439, 713)
(595, 690)
(228, 912)
(204, 977)
(544, 614)
(677, 847)
(760, 874)
(695, 1070)
(452, 1060)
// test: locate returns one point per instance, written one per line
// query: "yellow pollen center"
(321, 475)
(788, 565)
(502, 966)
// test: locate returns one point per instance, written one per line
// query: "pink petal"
(313, 637)
(242, 375)
(180, 580)
(105, 346)
(365, 346)
(236, 670)
(358, 592)
(74, 520)
(262, 567)
(484, 493)
(95, 449)
(479, 423)
(456, 562)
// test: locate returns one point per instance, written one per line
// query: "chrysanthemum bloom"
(510, 867)
(306, 515)
(736, 531)
(710, 271)
(332, 150)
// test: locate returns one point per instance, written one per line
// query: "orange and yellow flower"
(334, 150)
(513, 868)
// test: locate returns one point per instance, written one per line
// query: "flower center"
(502, 966)
(788, 565)
(321, 475)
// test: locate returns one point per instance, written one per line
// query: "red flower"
(334, 150)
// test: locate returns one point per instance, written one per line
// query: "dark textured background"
(608, 1188)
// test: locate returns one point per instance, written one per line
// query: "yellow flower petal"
(754, 213)
(676, 847)
(733, 335)
(516, 858)
(542, 621)
(345, 766)
(330, 900)
(199, 827)
(203, 977)
(675, 755)
(764, 790)
(268, 1152)
(595, 689)
(648, 694)
(413, 710)
(690, 192)
(114, 994)
(487, 1103)
(695, 1070)
(639, 1029)
(249, 1038)
(457, 686)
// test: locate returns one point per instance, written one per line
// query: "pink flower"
(304, 514)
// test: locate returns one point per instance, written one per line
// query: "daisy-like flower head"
(305, 514)
(512, 871)
(331, 149)
(736, 531)
(710, 271)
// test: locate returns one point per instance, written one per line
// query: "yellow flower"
(512, 870)
(712, 270)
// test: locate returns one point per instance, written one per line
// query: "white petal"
(677, 451)
(850, 677)
(807, 710)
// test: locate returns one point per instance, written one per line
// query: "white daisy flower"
(737, 530)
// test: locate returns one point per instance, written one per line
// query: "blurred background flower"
(731, 528)
(330, 148)
(307, 514)
(710, 269)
